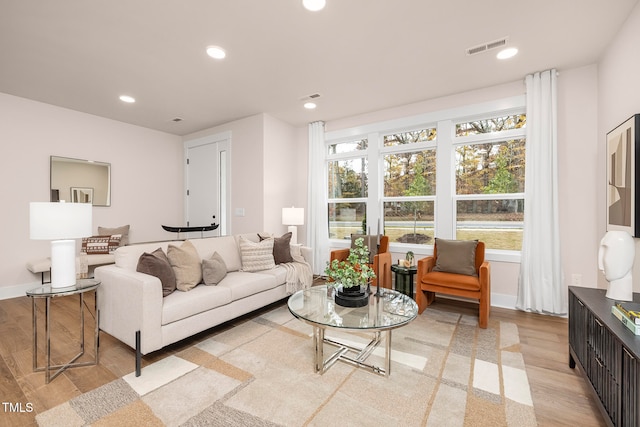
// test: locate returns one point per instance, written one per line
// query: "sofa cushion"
(279, 273)
(281, 247)
(256, 256)
(157, 264)
(456, 256)
(226, 246)
(213, 269)
(100, 244)
(452, 280)
(122, 231)
(186, 264)
(180, 305)
(243, 284)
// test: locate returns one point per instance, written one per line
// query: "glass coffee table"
(388, 311)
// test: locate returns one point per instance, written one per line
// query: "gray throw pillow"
(214, 269)
(456, 256)
(281, 247)
(157, 264)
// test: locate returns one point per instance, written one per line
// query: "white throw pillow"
(256, 256)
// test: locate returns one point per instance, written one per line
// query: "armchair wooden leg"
(483, 315)
(424, 299)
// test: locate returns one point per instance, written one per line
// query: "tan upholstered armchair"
(381, 259)
(459, 271)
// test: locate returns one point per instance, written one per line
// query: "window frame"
(445, 143)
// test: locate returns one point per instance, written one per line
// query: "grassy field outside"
(505, 239)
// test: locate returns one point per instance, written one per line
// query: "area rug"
(445, 371)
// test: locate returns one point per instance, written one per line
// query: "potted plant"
(351, 275)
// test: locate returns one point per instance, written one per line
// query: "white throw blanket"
(299, 274)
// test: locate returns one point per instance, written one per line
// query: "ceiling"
(359, 55)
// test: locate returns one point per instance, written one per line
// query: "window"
(457, 174)
(489, 178)
(347, 188)
(409, 186)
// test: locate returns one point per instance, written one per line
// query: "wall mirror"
(80, 181)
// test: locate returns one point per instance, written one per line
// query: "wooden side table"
(404, 278)
(47, 292)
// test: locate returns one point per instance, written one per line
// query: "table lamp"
(293, 217)
(61, 223)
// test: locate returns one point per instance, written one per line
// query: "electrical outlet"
(576, 279)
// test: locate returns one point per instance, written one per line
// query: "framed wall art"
(623, 181)
(81, 195)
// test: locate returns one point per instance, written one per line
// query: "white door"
(206, 184)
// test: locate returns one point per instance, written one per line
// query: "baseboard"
(7, 292)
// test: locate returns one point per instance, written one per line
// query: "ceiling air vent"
(487, 46)
(312, 96)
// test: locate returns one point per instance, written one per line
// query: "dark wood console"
(607, 353)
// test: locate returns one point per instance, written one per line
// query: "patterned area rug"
(445, 371)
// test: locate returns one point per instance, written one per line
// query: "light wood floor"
(559, 393)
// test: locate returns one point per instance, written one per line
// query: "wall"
(145, 166)
(283, 171)
(577, 115)
(618, 89)
(578, 144)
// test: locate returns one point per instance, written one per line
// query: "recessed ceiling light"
(314, 5)
(507, 53)
(310, 105)
(216, 52)
(128, 99)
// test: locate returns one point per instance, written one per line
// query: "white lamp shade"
(54, 221)
(293, 216)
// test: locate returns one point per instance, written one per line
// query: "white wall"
(619, 99)
(146, 180)
(578, 184)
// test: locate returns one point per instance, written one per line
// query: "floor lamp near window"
(61, 223)
(293, 217)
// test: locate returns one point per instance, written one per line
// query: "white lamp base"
(294, 234)
(63, 263)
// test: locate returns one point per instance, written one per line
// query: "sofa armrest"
(128, 302)
(307, 254)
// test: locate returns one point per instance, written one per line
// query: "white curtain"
(317, 230)
(541, 286)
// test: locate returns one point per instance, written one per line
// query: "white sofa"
(132, 307)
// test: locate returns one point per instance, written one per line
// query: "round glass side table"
(46, 292)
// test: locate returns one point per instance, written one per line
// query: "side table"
(404, 278)
(47, 292)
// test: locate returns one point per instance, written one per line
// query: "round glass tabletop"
(317, 306)
(82, 285)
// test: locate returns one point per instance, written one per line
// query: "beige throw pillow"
(186, 264)
(214, 269)
(256, 256)
(456, 256)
